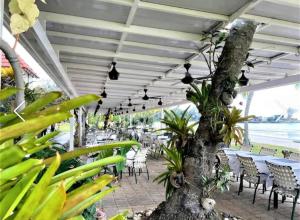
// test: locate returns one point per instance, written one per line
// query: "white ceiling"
(151, 39)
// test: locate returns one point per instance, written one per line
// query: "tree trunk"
(246, 140)
(199, 154)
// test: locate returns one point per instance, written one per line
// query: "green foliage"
(43, 186)
(174, 167)
(221, 182)
(230, 130)
(179, 126)
(201, 97)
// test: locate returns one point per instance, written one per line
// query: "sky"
(273, 101)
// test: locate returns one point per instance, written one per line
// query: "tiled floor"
(146, 194)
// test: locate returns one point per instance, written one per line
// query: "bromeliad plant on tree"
(30, 187)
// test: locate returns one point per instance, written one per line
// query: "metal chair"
(267, 151)
(251, 174)
(284, 183)
(222, 160)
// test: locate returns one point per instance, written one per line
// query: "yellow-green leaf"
(31, 125)
(86, 190)
(86, 203)
(38, 192)
(52, 207)
(87, 167)
(14, 196)
(18, 169)
(7, 92)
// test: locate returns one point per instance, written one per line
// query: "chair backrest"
(267, 151)
(222, 157)
(248, 165)
(130, 155)
(283, 176)
(294, 156)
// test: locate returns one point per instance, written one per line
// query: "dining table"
(260, 162)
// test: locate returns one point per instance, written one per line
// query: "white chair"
(137, 161)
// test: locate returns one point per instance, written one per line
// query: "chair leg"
(294, 204)
(257, 184)
(283, 199)
(264, 188)
(129, 170)
(133, 169)
(241, 184)
(147, 172)
(270, 196)
(275, 198)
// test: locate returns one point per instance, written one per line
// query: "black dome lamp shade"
(129, 103)
(144, 107)
(188, 77)
(113, 74)
(127, 112)
(243, 80)
(121, 107)
(133, 109)
(160, 102)
(103, 94)
(145, 97)
(115, 110)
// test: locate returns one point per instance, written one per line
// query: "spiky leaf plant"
(171, 177)
(179, 125)
(230, 130)
(30, 187)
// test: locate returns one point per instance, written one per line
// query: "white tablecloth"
(260, 163)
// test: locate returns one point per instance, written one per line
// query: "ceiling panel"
(215, 6)
(162, 41)
(89, 9)
(281, 32)
(82, 43)
(174, 22)
(278, 11)
(154, 52)
(78, 29)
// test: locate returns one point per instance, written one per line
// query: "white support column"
(80, 124)
(130, 120)
(72, 129)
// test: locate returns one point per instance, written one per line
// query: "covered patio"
(142, 55)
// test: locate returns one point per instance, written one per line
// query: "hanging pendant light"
(133, 109)
(159, 102)
(103, 94)
(243, 80)
(100, 102)
(127, 112)
(115, 109)
(113, 74)
(121, 107)
(129, 103)
(144, 107)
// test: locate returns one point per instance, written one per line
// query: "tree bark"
(199, 153)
